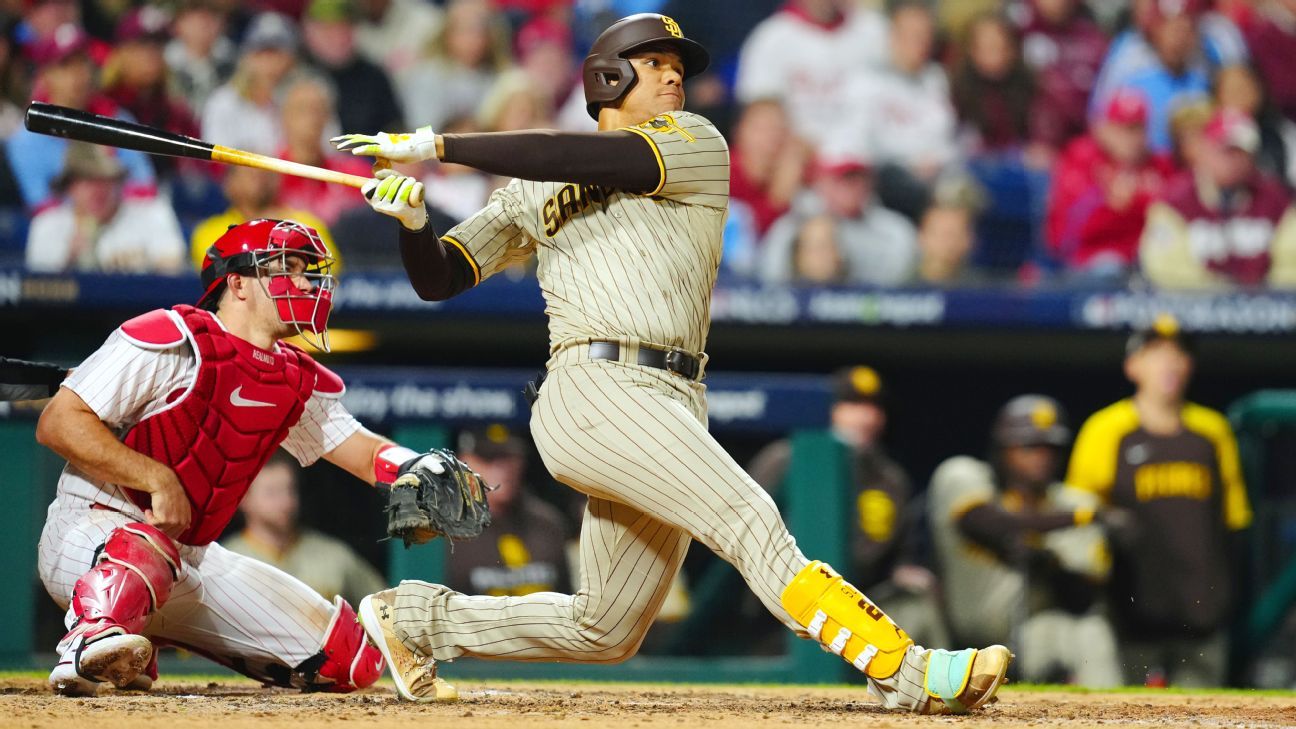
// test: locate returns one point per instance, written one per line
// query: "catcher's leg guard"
(131, 579)
(350, 662)
(845, 622)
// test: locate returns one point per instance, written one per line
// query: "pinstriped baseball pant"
(634, 440)
(234, 609)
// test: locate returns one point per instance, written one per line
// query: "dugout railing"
(1265, 423)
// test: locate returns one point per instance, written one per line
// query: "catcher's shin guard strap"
(948, 673)
(845, 622)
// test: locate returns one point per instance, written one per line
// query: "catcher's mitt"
(436, 494)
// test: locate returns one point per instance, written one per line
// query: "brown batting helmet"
(608, 75)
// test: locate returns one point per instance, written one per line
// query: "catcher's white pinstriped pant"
(230, 607)
(634, 439)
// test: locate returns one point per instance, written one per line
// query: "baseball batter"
(626, 225)
(164, 428)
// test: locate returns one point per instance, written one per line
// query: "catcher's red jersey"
(219, 432)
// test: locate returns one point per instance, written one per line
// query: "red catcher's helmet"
(303, 293)
(608, 75)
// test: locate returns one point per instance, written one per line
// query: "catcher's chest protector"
(220, 432)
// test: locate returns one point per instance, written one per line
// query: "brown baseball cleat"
(958, 688)
(414, 675)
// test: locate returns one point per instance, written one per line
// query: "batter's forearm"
(71, 429)
(436, 271)
(616, 159)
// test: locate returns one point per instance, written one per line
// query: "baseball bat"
(60, 121)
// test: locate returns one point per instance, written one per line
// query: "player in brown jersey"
(1173, 466)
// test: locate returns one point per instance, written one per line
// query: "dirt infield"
(25, 702)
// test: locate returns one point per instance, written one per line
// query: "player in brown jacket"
(1173, 466)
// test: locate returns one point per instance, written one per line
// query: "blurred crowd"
(873, 142)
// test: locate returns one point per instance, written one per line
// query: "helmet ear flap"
(607, 80)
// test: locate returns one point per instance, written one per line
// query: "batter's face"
(659, 88)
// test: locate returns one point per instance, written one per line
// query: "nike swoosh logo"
(237, 399)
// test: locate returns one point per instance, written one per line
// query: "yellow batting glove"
(415, 146)
(401, 197)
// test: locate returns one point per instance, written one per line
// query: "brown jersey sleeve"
(616, 159)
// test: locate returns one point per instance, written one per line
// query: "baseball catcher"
(163, 429)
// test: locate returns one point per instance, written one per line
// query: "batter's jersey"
(124, 383)
(1186, 492)
(615, 264)
(983, 595)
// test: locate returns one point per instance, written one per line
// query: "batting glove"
(394, 194)
(415, 146)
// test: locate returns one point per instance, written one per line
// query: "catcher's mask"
(292, 264)
(607, 74)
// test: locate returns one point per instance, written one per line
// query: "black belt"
(672, 360)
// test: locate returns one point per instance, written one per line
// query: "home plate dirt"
(236, 704)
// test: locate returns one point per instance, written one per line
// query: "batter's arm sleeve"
(616, 159)
(436, 269)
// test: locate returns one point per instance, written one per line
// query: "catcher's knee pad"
(350, 662)
(844, 621)
(132, 578)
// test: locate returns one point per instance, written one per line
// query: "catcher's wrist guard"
(436, 494)
(387, 463)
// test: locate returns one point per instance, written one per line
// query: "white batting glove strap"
(391, 193)
(414, 146)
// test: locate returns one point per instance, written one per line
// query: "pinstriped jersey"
(615, 264)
